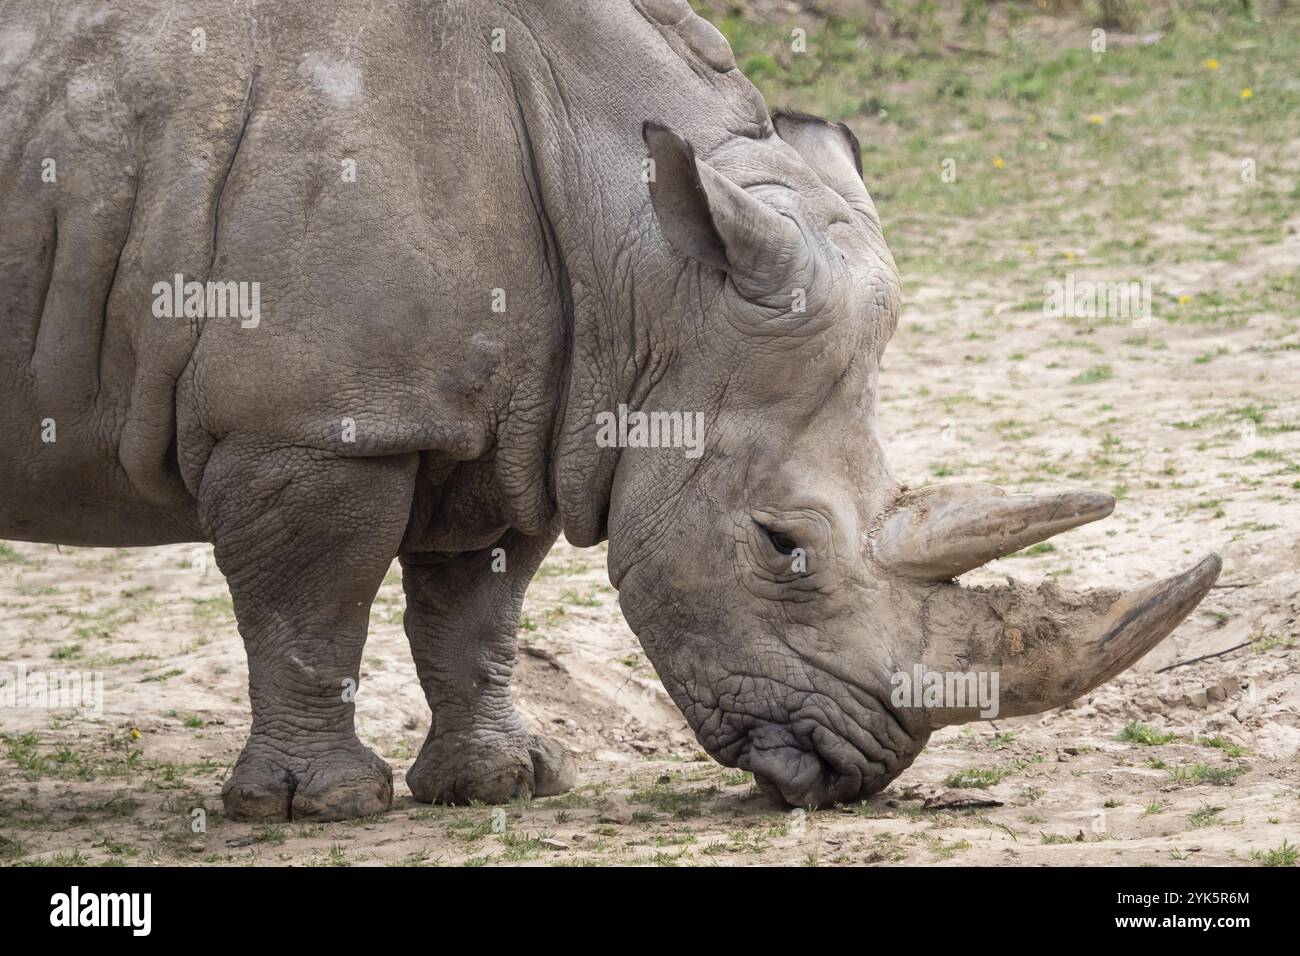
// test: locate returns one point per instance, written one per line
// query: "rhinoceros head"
(798, 603)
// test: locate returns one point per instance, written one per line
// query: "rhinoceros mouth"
(805, 748)
(822, 770)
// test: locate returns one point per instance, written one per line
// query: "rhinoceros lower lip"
(821, 750)
(819, 770)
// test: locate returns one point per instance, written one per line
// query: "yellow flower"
(1068, 254)
(1184, 299)
(1247, 93)
(999, 162)
(1211, 64)
(135, 734)
(1096, 119)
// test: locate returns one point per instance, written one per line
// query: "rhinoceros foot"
(462, 768)
(347, 782)
(554, 769)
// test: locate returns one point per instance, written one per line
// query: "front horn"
(1039, 648)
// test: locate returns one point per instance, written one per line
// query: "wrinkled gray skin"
(521, 170)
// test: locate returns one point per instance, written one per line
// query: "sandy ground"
(970, 391)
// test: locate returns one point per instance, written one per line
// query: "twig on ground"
(1204, 657)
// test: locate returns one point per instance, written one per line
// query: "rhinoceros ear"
(679, 200)
(708, 218)
(824, 145)
(832, 151)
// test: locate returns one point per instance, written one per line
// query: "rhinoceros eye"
(783, 542)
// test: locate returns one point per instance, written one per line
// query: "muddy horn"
(1044, 647)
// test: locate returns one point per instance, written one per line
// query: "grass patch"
(1205, 816)
(680, 804)
(975, 779)
(1056, 838)
(1285, 855)
(1091, 376)
(159, 678)
(1227, 746)
(9, 556)
(1034, 550)
(1201, 773)
(1144, 735)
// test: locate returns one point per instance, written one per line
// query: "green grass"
(338, 856)
(1136, 733)
(212, 608)
(680, 803)
(270, 833)
(114, 761)
(1262, 641)
(1201, 773)
(1205, 816)
(1227, 746)
(11, 848)
(523, 846)
(469, 830)
(1056, 838)
(75, 858)
(1285, 855)
(975, 779)
(9, 556)
(1034, 550)
(1098, 373)
(163, 676)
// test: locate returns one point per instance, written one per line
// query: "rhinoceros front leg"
(461, 619)
(304, 539)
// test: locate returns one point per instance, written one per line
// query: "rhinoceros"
(333, 284)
